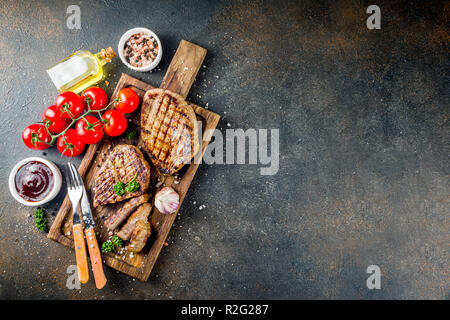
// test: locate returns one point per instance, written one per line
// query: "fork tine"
(68, 179)
(77, 175)
(74, 179)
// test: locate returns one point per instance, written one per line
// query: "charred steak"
(139, 236)
(169, 130)
(123, 164)
(141, 213)
(116, 218)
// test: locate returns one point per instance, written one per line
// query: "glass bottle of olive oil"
(80, 70)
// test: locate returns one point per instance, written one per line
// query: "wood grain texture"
(183, 68)
(80, 253)
(140, 265)
(96, 258)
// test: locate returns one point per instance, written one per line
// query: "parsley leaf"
(131, 134)
(117, 241)
(40, 221)
(119, 188)
(133, 185)
(108, 246)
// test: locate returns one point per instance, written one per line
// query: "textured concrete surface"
(363, 119)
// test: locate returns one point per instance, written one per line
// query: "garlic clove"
(167, 200)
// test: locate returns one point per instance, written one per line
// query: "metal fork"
(75, 191)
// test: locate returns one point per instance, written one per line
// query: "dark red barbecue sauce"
(34, 181)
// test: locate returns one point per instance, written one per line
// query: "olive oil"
(80, 70)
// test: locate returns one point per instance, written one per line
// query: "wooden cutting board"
(179, 78)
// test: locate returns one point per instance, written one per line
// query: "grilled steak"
(169, 130)
(141, 213)
(139, 236)
(122, 165)
(116, 218)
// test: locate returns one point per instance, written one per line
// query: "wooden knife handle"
(80, 253)
(96, 258)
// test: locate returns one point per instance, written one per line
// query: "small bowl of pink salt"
(140, 49)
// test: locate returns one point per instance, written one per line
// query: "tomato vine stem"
(74, 120)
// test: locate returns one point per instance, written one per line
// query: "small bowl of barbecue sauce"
(35, 181)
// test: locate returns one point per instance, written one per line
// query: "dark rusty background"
(363, 119)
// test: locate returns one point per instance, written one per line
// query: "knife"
(91, 240)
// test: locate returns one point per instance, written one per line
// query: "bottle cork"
(108, 54)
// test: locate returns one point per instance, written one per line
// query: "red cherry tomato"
(71, 105)
(89, 129)
(96, 97)
(115, 123)
(128, 101)
(34, 134)
(69, 144)
(54, 120)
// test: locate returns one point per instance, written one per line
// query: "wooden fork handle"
(80, 253)
(96, 258)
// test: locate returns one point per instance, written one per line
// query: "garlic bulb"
(167, 200)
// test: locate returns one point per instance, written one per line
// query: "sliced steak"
(122, 165)
(169, 130)
(141, 213)
(139, 236)
(116, 218)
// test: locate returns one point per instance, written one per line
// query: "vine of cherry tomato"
(36, 137)
(71, 109)
(69, 144)
(97, 97)
(53, 119)
(70, 104)
(89, 130)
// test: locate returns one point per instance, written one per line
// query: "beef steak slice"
(123, 164)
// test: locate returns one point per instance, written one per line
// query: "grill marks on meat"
(169, 130)
(124, 162)
(116, 218)
(142, 214)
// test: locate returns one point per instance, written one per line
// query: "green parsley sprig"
(131, 134)
(117, 241)
(40, 221)
(112, 245)
(132, 186)
(119, 188)
(107, 246)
